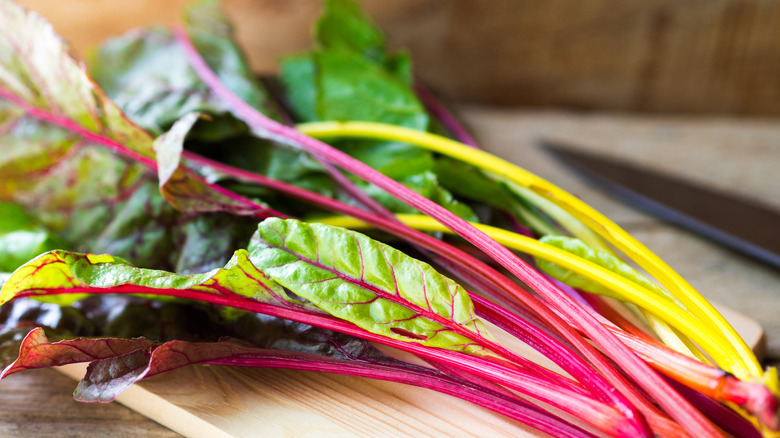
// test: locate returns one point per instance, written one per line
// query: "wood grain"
(280, 403)
(39, 404)
(718, 56)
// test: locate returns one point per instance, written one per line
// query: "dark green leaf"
(352, 88)
(343, 25)
(466, 180)
(426, 184)
(299, 77)
(21, 237)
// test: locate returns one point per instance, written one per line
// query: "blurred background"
(669, 56)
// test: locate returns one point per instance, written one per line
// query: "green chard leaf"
(350, 76)
(21, 237)
(608, 261)
(65, 277)
(365, 282)
(345, 25)
(353, 88)
(299, 77)
(369, 284)
(468, 181)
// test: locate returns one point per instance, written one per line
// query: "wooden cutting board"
(218, 401)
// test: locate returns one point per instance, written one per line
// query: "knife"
(743, 225)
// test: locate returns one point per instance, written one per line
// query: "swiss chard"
(240, 284)
(57, 127)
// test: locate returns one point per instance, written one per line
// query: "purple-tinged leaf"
(37, 352)
(51, 173)
(38, 75)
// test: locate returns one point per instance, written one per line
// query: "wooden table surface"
(738, 155)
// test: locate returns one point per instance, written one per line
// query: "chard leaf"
(369, 284)
(319, 350)
(97, 201)
(343, 82)
(66, 277)
(212, 34)
(50, 173)
(351, 77)
(608, 261)
(466, 180)
(117, 210)
(427, 185)
(21, 237)
(37, 352)
(20, 317)
(395, 160)
(299, 76)
(116, 364)
(36, 69)
(147, 74)
(352, 88)
(345, 25)
(38, 75)
(106, 379)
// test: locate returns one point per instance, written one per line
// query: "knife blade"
(740, 224)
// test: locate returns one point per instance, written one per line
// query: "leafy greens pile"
(168, 208)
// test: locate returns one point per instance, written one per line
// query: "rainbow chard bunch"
(230, 208)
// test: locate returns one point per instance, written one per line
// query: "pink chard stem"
(424, 378)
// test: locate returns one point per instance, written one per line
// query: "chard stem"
(743, 363)
(424, 378)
